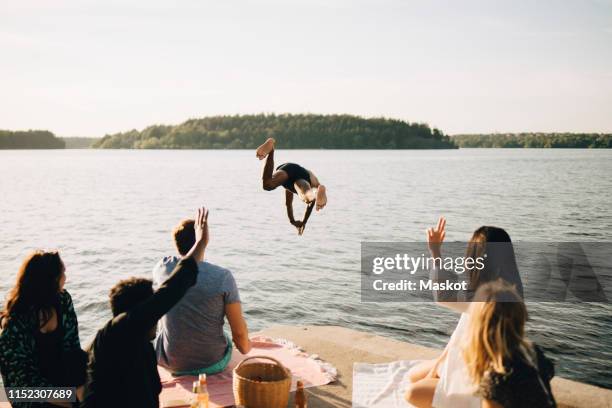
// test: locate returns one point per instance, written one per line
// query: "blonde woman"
(444, 382)
(505, 368)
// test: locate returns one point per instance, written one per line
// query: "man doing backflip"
(296, 180)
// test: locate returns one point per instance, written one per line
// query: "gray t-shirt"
(190, 336)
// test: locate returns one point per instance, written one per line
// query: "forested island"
(536, 140)
(301, 131)
(30, 139)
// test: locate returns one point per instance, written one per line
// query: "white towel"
(381, 385)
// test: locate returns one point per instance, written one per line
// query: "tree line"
(30, 139)
(536, 140)
(301, 131)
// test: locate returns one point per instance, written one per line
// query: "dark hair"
(184, 236)
(500, 261)
(37, 288)
(129, 293)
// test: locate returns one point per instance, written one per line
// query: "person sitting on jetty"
(296, 180)
(39, 331)
(507, 371)
(122, 368)
(190, 338)
(445, 381)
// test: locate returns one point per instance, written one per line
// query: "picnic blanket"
(308, 368)
(381, 385)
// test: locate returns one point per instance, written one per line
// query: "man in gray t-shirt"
(190, 337)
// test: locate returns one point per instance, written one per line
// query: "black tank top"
(49, 349)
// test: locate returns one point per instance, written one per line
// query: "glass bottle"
(300, 396)
(203, 396)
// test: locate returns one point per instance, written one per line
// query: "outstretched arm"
(289, 204)
(435, 238)
(306, 216)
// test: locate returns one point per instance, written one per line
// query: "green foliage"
(30, 139)
(290, 132)
(537, 140)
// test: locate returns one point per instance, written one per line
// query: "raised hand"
(201, 235)
(201, 225)
(435, 237)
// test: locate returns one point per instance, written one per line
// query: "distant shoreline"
(535, 140)
(316, 132)
(308, 149)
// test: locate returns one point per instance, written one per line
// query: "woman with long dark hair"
(445, 380)
(39, 335)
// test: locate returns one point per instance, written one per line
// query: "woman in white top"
(444, 382)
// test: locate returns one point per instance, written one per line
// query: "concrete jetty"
(342, 347)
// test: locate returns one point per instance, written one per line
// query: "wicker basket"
(261, 385)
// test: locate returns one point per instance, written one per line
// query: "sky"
(90, 68)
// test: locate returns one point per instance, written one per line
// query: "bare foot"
(321, 197)
(263, 150)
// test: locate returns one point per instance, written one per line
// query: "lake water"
(110, 213)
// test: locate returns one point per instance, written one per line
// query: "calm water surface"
(111, 213)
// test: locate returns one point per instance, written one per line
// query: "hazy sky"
(86, 68)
